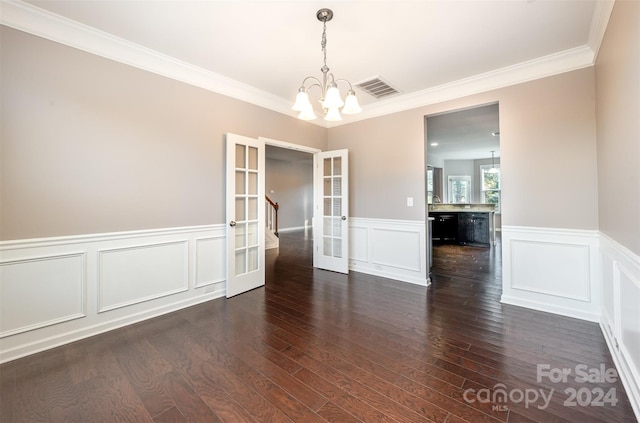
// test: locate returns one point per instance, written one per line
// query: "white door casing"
(245, 214)
(331, 211)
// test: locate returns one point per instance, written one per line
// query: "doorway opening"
(463, 179)
(325, 199)
(288, 190)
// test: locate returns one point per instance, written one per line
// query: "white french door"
(331, 211)
(245, 214)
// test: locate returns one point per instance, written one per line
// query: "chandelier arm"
(317, 82)
(344, 80)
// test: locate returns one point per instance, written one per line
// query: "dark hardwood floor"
(316, 346)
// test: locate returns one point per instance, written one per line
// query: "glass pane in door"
(241, 261)
(332, 207)
(252, 209)
(240, 157)
(253, 158)
(241, 235)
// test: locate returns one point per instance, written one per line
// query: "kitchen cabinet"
(473, 229)
(445, 228)
(462, 228)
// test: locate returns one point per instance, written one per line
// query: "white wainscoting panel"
(570, 279)
(552, 270)
(359, 247)
(58, 290)
(393, 249)
(210, 263)
(134, 274)
(385, 251)
(50, 290)
(620, 321)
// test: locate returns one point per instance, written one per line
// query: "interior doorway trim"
(290, 146)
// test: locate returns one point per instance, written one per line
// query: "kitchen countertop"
(470, 208)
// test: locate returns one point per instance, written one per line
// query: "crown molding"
(33, 20)
(542, 67)
(599, 21)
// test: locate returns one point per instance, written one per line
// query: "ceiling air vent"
(377, 88)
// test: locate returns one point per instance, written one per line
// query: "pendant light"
(493, 164)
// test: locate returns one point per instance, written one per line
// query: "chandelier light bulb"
(351, 105)
(302, 100)
(307, 112)
(333, 115)
(332, 99)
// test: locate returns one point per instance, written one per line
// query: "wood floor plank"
(144, 380)
(8, 390)
(172, 415)
(365, 390)
(187, 401)
(108, 396)
(213, 365)
(334, 414)
(343, 399)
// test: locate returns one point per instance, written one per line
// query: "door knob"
(344, 217)
(232, 223)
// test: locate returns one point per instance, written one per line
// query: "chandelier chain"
(324, 42)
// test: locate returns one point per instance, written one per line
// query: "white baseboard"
(59, 290)
(295, 228)
(550, 308)
(394, 249)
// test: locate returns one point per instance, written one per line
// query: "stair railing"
(272, 215)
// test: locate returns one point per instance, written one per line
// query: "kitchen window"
(490, 176)
(459, 189)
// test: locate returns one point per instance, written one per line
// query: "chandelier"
(329, 94)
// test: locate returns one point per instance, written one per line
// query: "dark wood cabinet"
(445, 228)
(465, 228)
(473, 229)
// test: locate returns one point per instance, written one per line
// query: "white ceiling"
(261, 50)
(464, 134)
